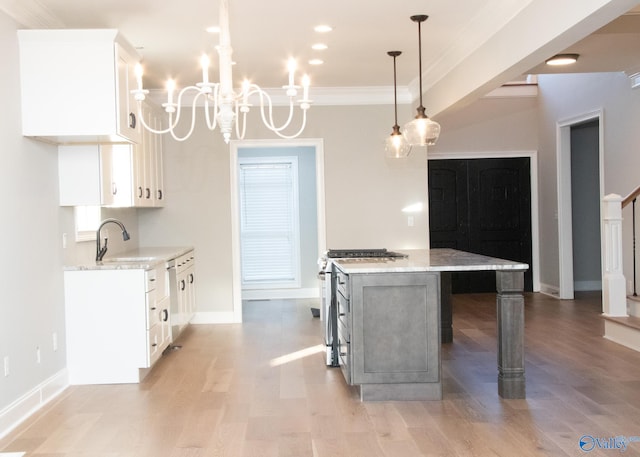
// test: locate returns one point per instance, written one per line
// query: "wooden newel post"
(614, 299)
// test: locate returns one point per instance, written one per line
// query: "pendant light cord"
(395, 54)
(420, 18)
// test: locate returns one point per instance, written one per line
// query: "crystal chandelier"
(229, 107)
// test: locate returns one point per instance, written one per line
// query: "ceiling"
(469, 46)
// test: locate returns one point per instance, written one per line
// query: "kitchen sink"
(130, 259)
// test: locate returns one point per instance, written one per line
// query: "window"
(87, 221)
(269, 222)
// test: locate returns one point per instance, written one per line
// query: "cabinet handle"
(343, 354)
(114, 188)
(154, 345)
(153, 308)
(182, 284)
(165, 315)
(148, 192)
(191, 278)
(140, 192)
(159, 194)
(132, 120)
(342, 314)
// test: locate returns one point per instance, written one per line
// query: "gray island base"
(393, 315)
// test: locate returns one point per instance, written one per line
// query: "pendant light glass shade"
(421, 131)
(396, 146)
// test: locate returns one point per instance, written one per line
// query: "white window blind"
(269, 222)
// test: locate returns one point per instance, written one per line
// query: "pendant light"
(421, 131)
(396, 146)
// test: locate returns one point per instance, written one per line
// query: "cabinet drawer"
(154, 313)
(344, 352)
(343, 309)
(154, 344)
(342, 281)
(151, 278)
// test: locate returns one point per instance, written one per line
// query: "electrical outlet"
(38, 359)
(55, 341)
(6, 365)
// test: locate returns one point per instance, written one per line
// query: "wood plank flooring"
(259, 389)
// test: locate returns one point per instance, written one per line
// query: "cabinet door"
(122, 174)
(127, 110)
(146, 157)
(158, 162)
(85, 175)
(395, 320)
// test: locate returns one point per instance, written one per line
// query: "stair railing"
(631, 198)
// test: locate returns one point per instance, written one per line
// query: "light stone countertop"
(135, 259)
(441, 259)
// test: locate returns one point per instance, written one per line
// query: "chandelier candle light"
(228, 106)
(421, 131)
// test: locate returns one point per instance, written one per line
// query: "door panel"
(490, 200)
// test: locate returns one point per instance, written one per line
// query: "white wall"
(365, 194)
(31, 309)
(563, 97)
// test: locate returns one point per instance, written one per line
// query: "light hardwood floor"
(230, 392)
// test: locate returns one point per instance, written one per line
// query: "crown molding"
(320, 96)
(30, 14)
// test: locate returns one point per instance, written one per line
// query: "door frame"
(533, 170)
(236, 274)
(565, 224)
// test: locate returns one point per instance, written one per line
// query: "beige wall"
(364, 192)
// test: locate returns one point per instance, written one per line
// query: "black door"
(481, 206)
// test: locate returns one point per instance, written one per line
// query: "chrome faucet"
(101, 251)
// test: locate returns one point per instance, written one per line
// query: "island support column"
(510, 314)
(446, 310)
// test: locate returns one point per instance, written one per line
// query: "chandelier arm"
(270, 124)
(144, 124)
(178, 107)
(239, 135)
(211, 125)
(304, 123)
(193, 119)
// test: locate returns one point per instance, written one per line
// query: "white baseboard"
(20, 410)
(280, 294)
(621, 334)
(553, 291)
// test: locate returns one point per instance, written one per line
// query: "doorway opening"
(580, 151)
(303, 245)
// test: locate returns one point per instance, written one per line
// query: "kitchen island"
(389, 314)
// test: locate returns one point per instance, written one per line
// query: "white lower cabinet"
(182, 272)
(117, 323)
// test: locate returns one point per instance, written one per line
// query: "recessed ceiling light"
(562, 59)
(213, 29)
(319, 46)
(323, 28)
(316, 62)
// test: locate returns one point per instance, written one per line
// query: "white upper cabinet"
(76, 86)
(85, 175)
